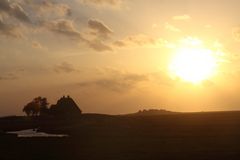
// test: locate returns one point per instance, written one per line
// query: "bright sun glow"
(193, 62)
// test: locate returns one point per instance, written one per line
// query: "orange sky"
(113, 56)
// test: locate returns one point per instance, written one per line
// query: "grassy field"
(195, 136)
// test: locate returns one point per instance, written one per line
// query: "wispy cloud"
(9, 30)
(112, 3)
(171, 27)
(36, 44)
(116, 81)
(99, 28)
(138, 40)
(236, 33)
(12, 75)
(65, 67)
(8, 76)
(67, 28)
(59, 8)
(64, 27)
(99, 45)
(182, 17)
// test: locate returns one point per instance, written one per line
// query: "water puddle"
(34, 133)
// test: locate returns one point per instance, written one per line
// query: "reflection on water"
(34, 133)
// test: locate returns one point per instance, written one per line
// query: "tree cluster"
(38, 106)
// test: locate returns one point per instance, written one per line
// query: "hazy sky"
(112, 56)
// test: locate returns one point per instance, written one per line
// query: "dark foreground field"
(195, 136)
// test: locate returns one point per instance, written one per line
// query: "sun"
(193, 62)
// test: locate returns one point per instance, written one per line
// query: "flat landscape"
(119, 79)
(177, 136)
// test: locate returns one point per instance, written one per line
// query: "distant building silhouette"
(65, 107)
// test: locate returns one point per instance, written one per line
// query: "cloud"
(8, 76)
(99, 28)
(120, 43)
(36, 44)
(15, 10)
(64, 27)
(5, 5)
(171, 27)
(67, 28)
(65, 67)
(98, 45)
(18, 12)
(12, 75)
(181, 17)
(15, 13)
(9, 30)
(162, 78)
(116, 81)
(138, 40)
(102, 2)
(236, 33)
(51, 16)
(62, 9)
(49, 7)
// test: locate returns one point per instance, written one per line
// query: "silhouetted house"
(65, 107)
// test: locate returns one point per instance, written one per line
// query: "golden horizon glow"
(193, 62)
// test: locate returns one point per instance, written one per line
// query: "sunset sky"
(120, 56)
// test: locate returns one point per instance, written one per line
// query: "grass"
(195, 136)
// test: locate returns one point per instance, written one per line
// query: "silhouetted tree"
(43, 105)
(31, 109)
(38, 106)
(27, 109)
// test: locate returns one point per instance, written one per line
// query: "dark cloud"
(15, 10)
(18, 12)
(65, 67)
(9, 30)
(5, 5)
(117, 82)
(42, 14)
(100, 29)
